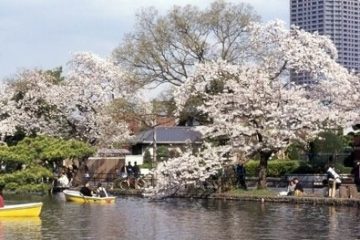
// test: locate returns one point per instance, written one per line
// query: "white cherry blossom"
(258, 111)
(73, 107)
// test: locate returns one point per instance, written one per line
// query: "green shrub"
(329, 142)
(341, 169)
(37, 150)
(27, 180)
(295, 151)
(28, 188)
(37, 153)
(147, 157)
(162, 153)
(276, 168)
(147, 165)
(27, 176)
(173, 153)
(306, 168)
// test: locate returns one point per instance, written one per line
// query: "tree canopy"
(74, 105)
(28, 165)
(255, 109)
(41, 149)
(165, 48)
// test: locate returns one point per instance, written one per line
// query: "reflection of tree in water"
(343, 223)
(20, 228)
(173, 218)
(2, 235)
(333, 222)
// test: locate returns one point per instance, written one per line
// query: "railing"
(311, 181)
(101, 177)
(109, 178)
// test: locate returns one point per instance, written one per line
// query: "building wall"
(338, 19)
(135, 126)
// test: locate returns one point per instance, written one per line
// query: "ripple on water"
(137, 218)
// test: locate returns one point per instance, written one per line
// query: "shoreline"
(345, 202)
(263, 198)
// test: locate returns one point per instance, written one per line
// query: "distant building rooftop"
(109, 152)
(169, 135)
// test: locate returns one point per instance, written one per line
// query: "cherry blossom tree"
(24, 104)
(164, 48)
(90, 86)
(174, 175)
(254, 109)
(76, 106)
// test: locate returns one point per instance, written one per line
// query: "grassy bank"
(251, 193)
(265, 195)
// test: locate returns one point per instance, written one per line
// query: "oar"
(83, 196)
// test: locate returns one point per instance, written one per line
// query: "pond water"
(138, 218)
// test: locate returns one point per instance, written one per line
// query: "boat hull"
(58, 189)
(74, 196)
(21, 210)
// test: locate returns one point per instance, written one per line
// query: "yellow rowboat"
(76, 196)
(21, 210)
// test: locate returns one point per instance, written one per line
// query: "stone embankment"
(313, 200)
(348, 202)
(130, 192)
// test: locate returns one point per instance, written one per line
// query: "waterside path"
(312, 200)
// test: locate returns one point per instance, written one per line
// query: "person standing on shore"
(136, 170)
(129, 169)
(240, 175)
(356, 172)
(333, 180)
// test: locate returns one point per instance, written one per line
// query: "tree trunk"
(264, 157)
(154, 160)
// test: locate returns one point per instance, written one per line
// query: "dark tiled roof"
(179, 135)
(107, 152)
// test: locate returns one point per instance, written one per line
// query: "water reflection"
(20, 228)
(136, 218)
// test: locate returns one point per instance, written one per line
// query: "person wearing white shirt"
(63, 180)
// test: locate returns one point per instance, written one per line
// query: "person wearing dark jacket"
(136, 170)
(240, 175)
(86, 191)
(299, 190)
(129, 169)
(356, 172)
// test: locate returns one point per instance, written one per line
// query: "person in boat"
(101, 191)
(86, 191)
(2, 204)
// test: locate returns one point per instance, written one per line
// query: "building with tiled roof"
(171, 137)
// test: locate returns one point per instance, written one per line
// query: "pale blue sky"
(44, 33)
